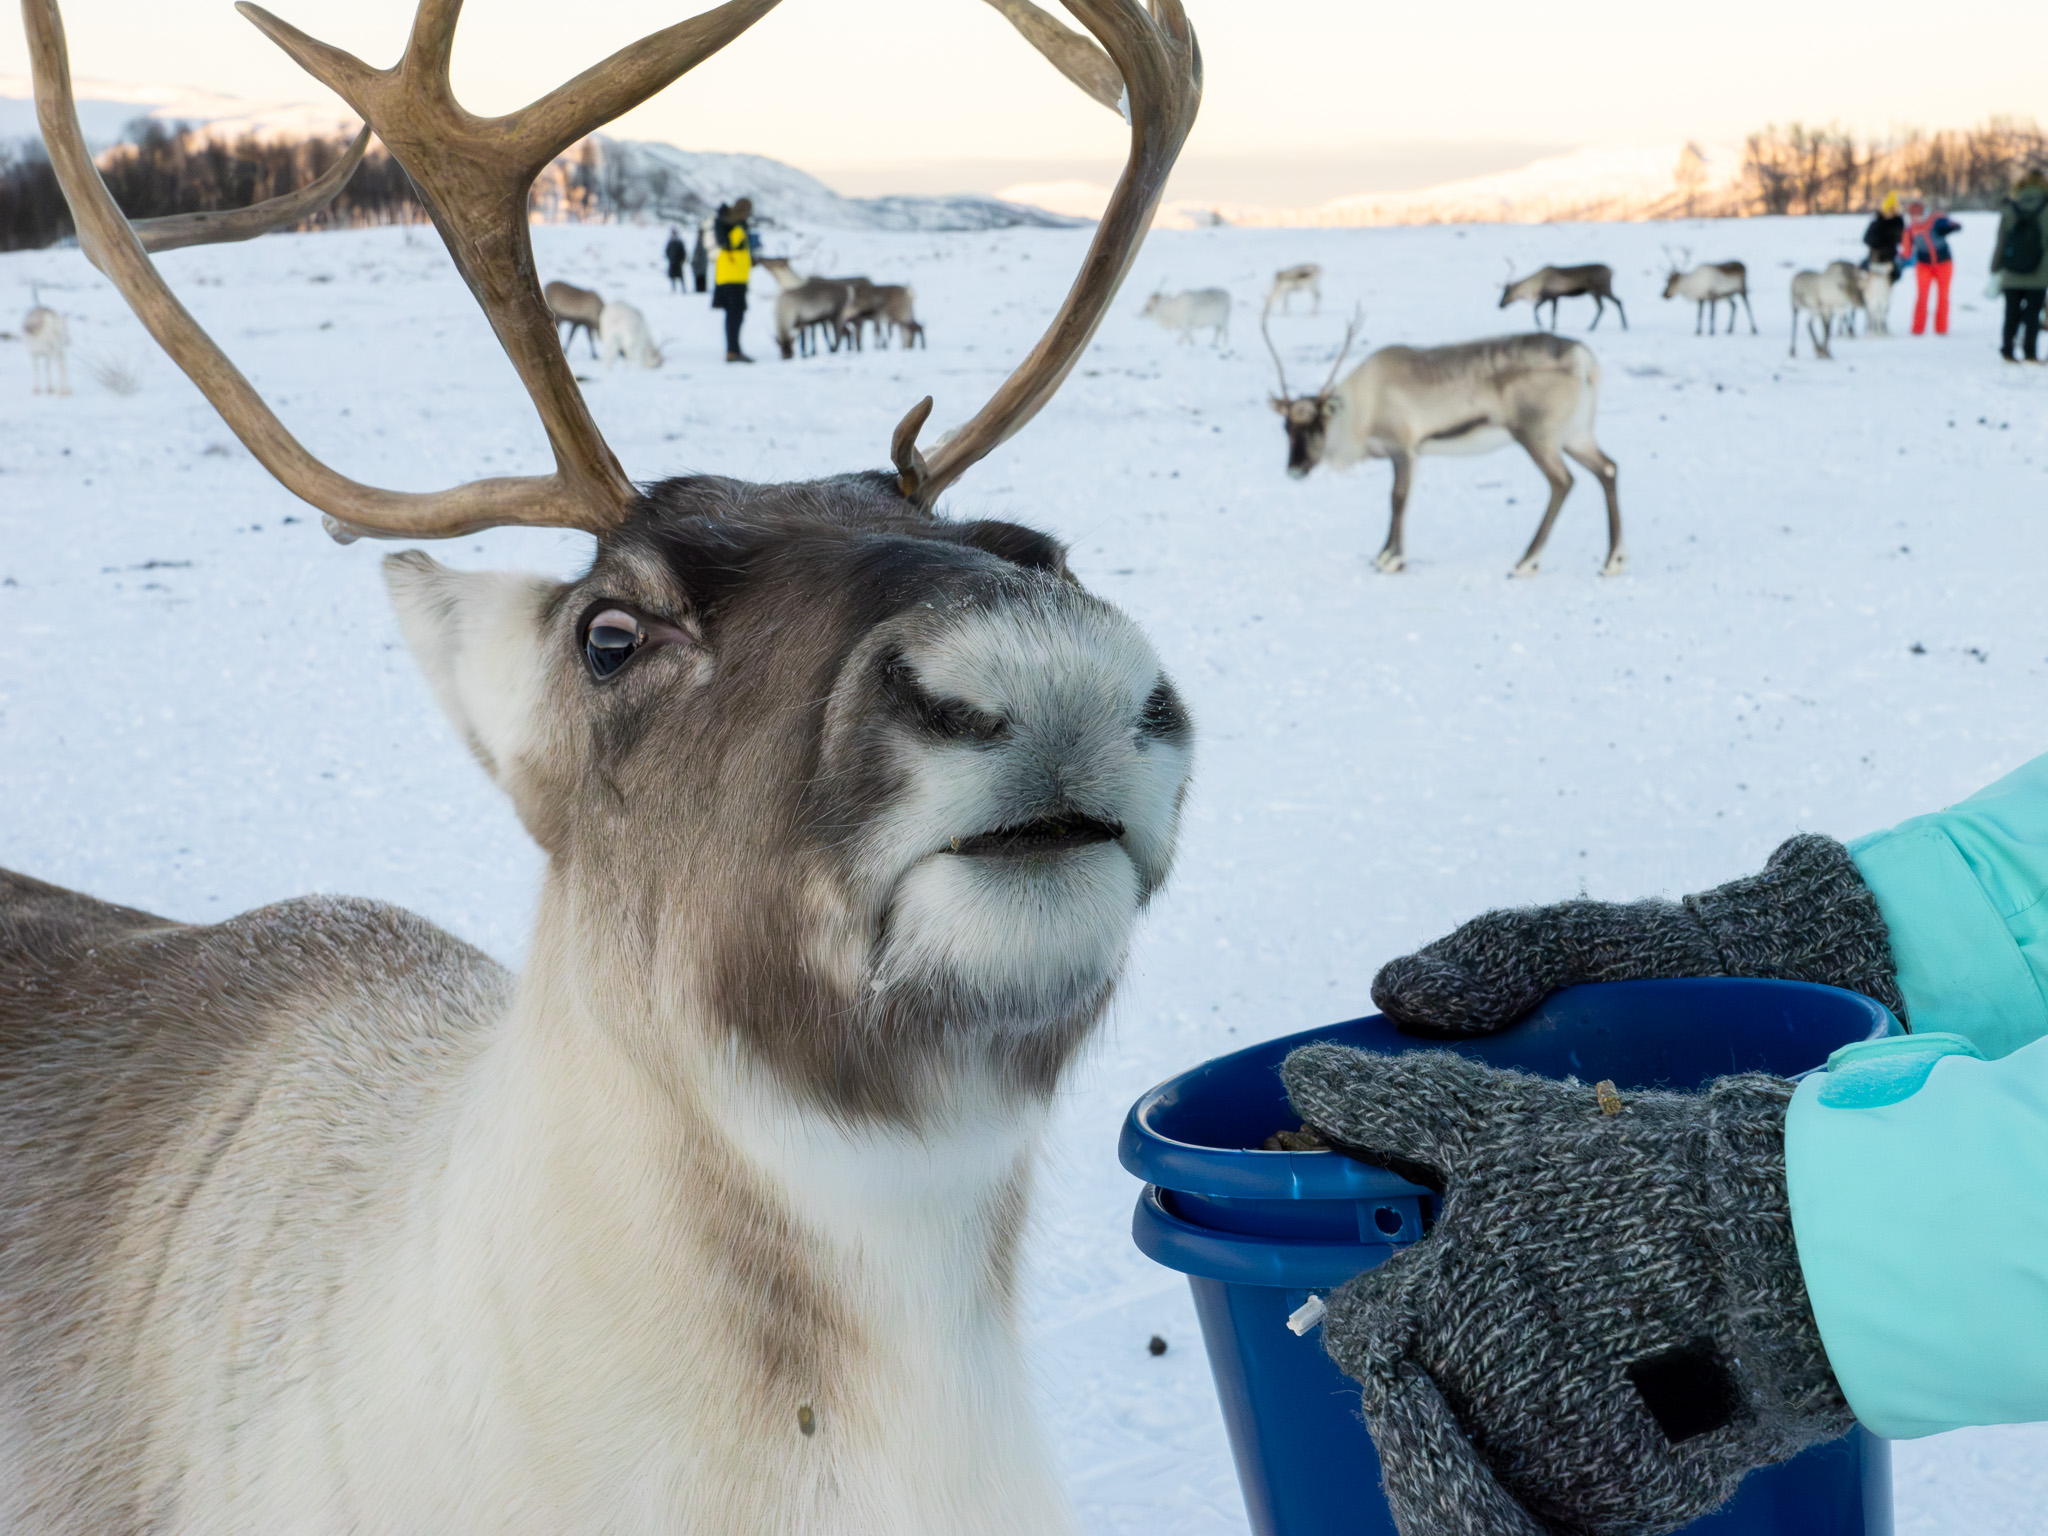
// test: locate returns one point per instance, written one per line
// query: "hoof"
(1391, 564)
(1523, 571)
(1616, 563)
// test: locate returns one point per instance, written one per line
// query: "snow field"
(1831, 621)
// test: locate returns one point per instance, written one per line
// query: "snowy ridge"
(1597, 183)
(665, 182)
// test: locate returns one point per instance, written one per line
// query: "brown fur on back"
(147, 1065)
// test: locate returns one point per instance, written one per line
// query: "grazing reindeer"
(1188, 312)
(577, 308)
(1708, 286)
(318, 1219)
(47, 333)
(1872, 292)
(899, 311)
(806, 305)
(1546, 285)
(1288, 281)
(1822, 297)
(863, 304)
(622, 333)
(1402, 402)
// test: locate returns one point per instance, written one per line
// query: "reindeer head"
(1678, 264)
(1308, 417)
(870, 797)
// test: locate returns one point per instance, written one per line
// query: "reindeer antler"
(1350, 333)
(1071, 53)
(1284, 395)
(1161, 65)
(473, 175)
(176, 231)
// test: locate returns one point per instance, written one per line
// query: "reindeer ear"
(1330, 405)
(478, 635)
(1278, 404)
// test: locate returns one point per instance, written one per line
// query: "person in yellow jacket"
(735, 265)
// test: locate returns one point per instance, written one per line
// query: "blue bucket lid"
(1199, 1132)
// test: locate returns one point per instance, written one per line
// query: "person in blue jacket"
(1630, 1300)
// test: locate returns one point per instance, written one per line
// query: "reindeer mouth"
(1047, 835)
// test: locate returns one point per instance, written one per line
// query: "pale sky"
(1377, 93)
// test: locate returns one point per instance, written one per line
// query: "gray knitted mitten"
(1607, 1326)
(1807, 917)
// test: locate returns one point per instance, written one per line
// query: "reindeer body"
(622, 335)
(899, 312)
(1197, 309)
(1288, 281)
(1708, 286)
(805, 304)
(1871, 291)
(47, 333)
(1822, 297)
(1546, 285)
(1404, 402)
(578, 309)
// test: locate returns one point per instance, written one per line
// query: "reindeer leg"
(1588, 453)
(1795, 332)
(1620, 309)
(1599, 309)
(1560, 478)
(1731, 315)
(1391, 558)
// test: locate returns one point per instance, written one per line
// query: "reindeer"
(863, 304)
(1822, 296)
(1539, 391)
(899, 311)
(317, 1218)
(47, 333)
(805, 305)
(1546, 285)
(1871, 291)
(577, 308)
(622, 333)
(1288, 281)
(1188, 312)
(1707, 286)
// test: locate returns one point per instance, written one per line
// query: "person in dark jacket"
(1882, 235)
(1925, 245)
(677, 254)
(735, 266)
(2020, 258)
(700, 258)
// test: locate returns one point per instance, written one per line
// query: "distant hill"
(1640, 182)
(636, 178)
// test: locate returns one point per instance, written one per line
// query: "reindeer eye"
(610, 641)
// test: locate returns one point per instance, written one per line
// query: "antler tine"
(1161, 65)
(1350, 334)
(176, 231)
(1284, 395)
(1070, 52)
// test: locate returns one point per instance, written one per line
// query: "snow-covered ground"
(1832, 621)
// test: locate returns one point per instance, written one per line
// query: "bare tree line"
(1800, 170)
(169, 168)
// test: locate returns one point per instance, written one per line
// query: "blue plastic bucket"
(1257, 1233)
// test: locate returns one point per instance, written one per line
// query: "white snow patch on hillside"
(1832, 621)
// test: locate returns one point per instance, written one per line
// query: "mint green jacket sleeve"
(1918, 1173)
(1964, 893)
(1918, 1166)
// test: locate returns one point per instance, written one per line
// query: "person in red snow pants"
(1925, 245)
